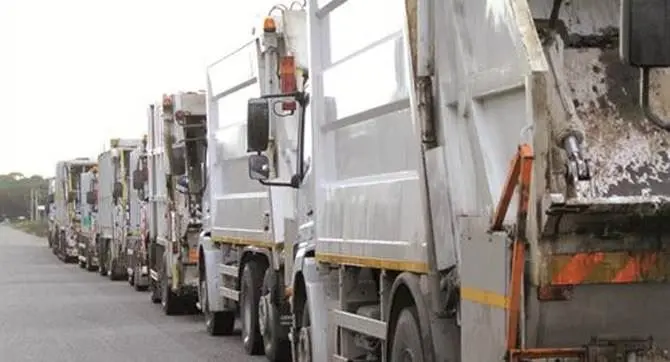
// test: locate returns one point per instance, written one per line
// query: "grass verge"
(37, 228)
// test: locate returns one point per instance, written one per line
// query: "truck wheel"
(304, 348)
(102, 270)
(137, 275)
(89, 259)
(155, 288)
(406, 344)
(217, 323)
(252, 281)
(131, 277)
(113, 271)
(169, 300)
(269, 322)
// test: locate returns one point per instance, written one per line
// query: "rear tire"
(252, 281)
(406, 346)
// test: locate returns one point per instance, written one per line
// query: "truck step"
(229, 270)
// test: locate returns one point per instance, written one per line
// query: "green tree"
(15, 193)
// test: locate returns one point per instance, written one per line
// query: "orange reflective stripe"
(609, 267)
(635, 268)
(577, 269)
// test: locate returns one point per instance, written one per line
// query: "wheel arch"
(406, 292)
(252, 253)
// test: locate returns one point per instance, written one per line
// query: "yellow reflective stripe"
(486, 297)
(244, 241)
(377, 263)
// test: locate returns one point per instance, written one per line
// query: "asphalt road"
(50, 311)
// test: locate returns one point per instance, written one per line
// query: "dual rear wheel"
(406, 343)
(262, 332)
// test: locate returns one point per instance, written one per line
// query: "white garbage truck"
(490, 181)
(176, 154)
(88, 184)
(67, 217)
(113, 217)
(242, 256)
(138, 272)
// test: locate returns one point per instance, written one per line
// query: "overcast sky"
(75, 73)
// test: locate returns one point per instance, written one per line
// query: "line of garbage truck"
(403, 180)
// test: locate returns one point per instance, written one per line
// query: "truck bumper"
(71, 252)
(143, 277)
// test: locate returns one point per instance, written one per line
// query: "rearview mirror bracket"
(302, 98)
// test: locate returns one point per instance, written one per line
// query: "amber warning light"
(287, 80)
(269, 25)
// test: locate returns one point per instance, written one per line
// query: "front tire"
(406, 346)
(113, 265)
(89, 260)
(137, 270)
(276, 349)
(102, 257)
(169, 300)
(304, 343)
(155, 288)
(217, 323)
(252, 281)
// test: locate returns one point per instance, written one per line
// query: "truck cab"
(251, 225)
(88, 185)
(177, 181)
(138, 272)
(67, 204)
(113, 204)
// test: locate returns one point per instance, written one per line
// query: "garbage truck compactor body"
(113, 208)
(242, 253)
(176, 160)
(67, 216)
(490, 181)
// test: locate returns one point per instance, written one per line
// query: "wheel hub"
(264, 314)
(246, 309)
(305, 345)
(203, 303)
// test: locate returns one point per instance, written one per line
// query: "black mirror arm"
(303, 100)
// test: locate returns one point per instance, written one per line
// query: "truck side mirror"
(71, 196)
(259, 167)
(644, 40)
(139, 178)
(258, 124)
(50, 199)
(90, 198)
(118, 190)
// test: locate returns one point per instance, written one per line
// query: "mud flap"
(484, 271)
